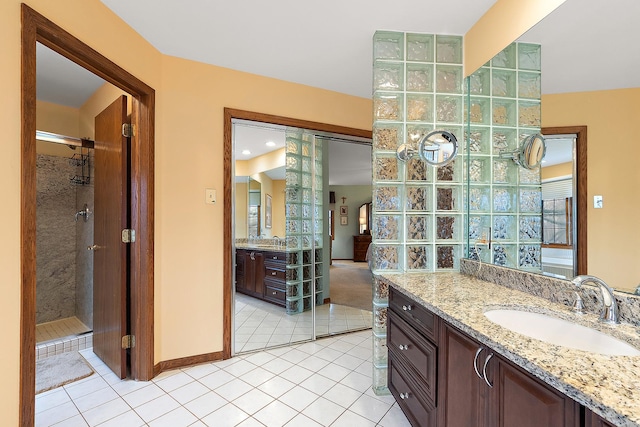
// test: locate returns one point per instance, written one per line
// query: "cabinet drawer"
(419, 413)
(275, 256)
(417, 353)
(273, 273)
(274, 294)
(417, 316)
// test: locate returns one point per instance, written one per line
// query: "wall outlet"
(597, 202)
(210, 196)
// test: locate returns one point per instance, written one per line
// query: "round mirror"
(532, 151)
(438, 148)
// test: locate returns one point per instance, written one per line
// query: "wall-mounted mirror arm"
(530, 153)
(437, 148)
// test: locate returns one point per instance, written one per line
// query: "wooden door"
(461, 396)
(110, 261)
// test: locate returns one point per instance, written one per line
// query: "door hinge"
(128, 130)
(128, 235)
(128, 341)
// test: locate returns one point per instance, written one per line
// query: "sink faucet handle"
(578, 305)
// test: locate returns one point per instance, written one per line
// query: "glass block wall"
(505, 200)
(418, 210)
(304, 220)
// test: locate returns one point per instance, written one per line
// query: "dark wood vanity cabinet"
(275, 268)
(444, 377)
(480, 388)
(262, 274)
(250, 272)
(412, 334)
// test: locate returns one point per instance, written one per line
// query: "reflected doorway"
(286, 264)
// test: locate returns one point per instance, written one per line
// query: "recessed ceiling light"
(271, 144)
(246, 152)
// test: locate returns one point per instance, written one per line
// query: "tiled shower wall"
(419, 211)
(64, 266)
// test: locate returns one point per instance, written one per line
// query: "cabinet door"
(258, 265)
(253, 274)
(461, 393)
(518, 399)
(240, 270)
(593, 420)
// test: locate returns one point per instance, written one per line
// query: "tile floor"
(260, 325)
(326, 382)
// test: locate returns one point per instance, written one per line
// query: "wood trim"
(580, 170)
(229, 115)
(183, 362)
(37, 28)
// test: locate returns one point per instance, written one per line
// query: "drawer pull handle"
(273, 293)
(273, 273)
(484, 370)
(275, 257)
(407, 307)
(404, 396)
(403, 347)
(475, 362)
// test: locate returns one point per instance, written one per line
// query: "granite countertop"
(608, 385)
(261, 247)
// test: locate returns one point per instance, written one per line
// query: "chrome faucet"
(609, 312)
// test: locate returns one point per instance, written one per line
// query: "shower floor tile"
(57, 329)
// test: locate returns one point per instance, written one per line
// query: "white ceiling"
(325, 44)
(587, 44)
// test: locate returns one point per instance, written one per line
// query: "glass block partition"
(304, 216)
(504, 199)
(418, 210)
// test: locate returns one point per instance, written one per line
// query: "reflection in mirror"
(558, 207)
(253, 208)
(437, 148)
(284, 289)
(599, 93)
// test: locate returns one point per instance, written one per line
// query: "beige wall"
(612, 152)
(189, 158)
(502, 24)
(562, 169)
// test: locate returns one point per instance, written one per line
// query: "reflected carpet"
(351, 284)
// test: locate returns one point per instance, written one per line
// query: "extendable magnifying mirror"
(437, 148)
(531, 152)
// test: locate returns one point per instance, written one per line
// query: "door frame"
(229, 115)
(580, 179)
(37, 28)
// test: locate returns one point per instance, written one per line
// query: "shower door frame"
(37, 28)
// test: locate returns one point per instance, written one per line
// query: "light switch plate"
(597, 202)
(210, 196)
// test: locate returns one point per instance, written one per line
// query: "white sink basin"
(560, 332)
